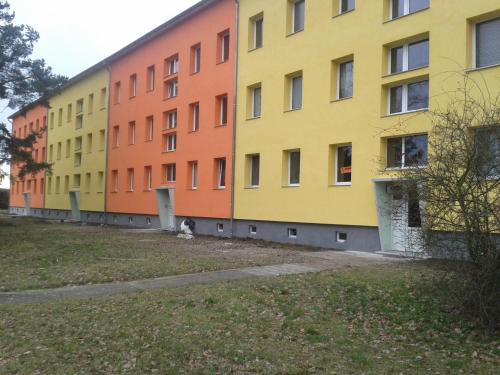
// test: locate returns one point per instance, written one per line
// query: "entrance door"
(165, 201)
(406, 223)
(27, 204)
(74, 200)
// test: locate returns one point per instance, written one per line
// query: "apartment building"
(171, 123)
(332, 102)
(27, 194)
(76, 147)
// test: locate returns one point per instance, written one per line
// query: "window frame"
(339, 73)
(404, 98)
(292, 82)
(194, 175)
(294, 8)
(171, 169)
(336, 181)
(254, 113)
(340, 12)
(255, 23)
(406, 57)
(252, 175)
(406, 9)
(403, 152)
(290, 184)
(221, 173)
(474, 44)
(171, 142)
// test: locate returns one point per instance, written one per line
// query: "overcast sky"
(75, 35)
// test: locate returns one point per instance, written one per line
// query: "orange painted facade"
(189, 69)
(33, 119)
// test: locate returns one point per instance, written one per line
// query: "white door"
(165, 201)
(406, 224)
(74, 199)
(27, 204)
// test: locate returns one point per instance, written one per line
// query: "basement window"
(252, 229)
(220, 228)
(341, 237)
(292, 232)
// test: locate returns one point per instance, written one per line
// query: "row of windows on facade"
(169, 176)
(37, 125)
(401, 152)
(78, 116)
(33, 186)
(171, 70)
(170, 124)
(403, 57)
(79, 147)
(75, 182)
(297, 15)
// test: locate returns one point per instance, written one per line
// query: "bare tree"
(457, 188)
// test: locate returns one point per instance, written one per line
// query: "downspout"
(106, 146)
(235, 106)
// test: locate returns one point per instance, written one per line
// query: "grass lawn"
(372, 320)
(38, 254)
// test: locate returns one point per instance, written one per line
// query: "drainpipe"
(235, 98)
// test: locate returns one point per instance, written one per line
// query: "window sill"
(194, 131)
(170, 76)
(294, 33)
(406, 113)
(150, 91)
(405, 71)
(255, 49)
(147, 190)
(341, 184)
(471, 70)
(169, 130)
(192, 189)
(169, 98)
(222, 62)
(220, 126)
(195, 73)
(292, 110)
(343, 13)
(405, 15)
(290, 186)
(132, 97)
(341, 99)
(220, 188)
(253, 118)
(148, 140)
(252, 187)
(129, 191)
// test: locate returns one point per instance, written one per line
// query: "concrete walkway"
(319, 261)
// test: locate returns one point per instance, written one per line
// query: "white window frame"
(252, 158)
(196, 117)
(220, 228)
(255, 22)
(338, 80)
(150, 124)
(133, 78)
(220, 163)
(340, 8)
(293, 16)
(253, 102)
(292, 80)
(223, 99)
(170, 168)
(406, 9)
(403, 150)
(340, 240)
(252, 230)
(131, 180)
(290, 233)
(173, 66)
(149, 171)
(194, 175)
(172, 119)
(132, 127)
(172, 88)
(406, 56)
(171, 142)
(197, 59)
(290, 168)
(223, 47)
(474, 45)
(151, 78)
(337, 182)
(404, 99)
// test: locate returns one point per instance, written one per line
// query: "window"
(346, 6)
(409, 97)
(171, 89)
(401, 8)
(69, 113)
(117, 96)
(148, 178)
(254, 170)
(59, 119)
(91, 104)
(104, 98)
(298, 15)
(252, 230)
(58, 185)
(172, 65)
(293, 168)
(196, 58)
(407, 152)
(195, 117)
(151, 78)
(89, 143)
(79, 106)
(79, 122)
(171, 173)
(150, 123)
(88, 182)
(133, 86)
(171, 144)
(68, 148)
(100, 182)
(170, 120)
(487, 39)
(66, 184)
(220, 227)
(76, 180)
(341, 237)
(257, 32)
(224, 46)
(409, 56)
(296, 93)
(345, 80)
(78, 144)
(292, 233)
(193, 167)
(131, 133)
(52, 115)
(221, 173)
(343, 165)
(130, 179)
(222, 100)
(256, 102)
(59, 150)
(102, 139)
(51, 153)
(114, 181)
(116, 136)
(488, 152)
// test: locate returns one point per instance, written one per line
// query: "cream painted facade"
(364, 35)
(76, 145)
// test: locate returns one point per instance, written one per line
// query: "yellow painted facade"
(364, 35)
(76, 144)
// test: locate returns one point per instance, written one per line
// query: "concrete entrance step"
(404, 254)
